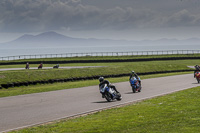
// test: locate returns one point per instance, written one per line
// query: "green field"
(108, 69)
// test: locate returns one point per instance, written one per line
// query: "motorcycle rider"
(197, 69)
(103, 81)
(133, 74)
(41, 65)
(56, 66)
(27, 65)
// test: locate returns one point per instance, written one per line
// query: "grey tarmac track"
(31, 109)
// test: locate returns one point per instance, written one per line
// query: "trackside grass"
(68, 85)
(174, 113)
(108, 69)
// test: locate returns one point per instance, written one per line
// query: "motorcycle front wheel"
(134, 90)
(198, 80)
(119, 97)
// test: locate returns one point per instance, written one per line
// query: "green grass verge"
(174, 113)
(60, 86)
(110, 69)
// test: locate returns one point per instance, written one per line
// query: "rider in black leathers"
(27, 65)
(102, 81)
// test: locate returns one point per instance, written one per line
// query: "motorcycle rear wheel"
(108, 97)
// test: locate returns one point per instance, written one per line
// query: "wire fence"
(128, 53)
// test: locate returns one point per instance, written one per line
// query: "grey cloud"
(182, 18)
(42, 15)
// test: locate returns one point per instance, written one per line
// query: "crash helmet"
(101, 79)
(132, 72)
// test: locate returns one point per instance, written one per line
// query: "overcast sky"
(110, 19)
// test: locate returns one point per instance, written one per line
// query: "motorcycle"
(39, 67)
(135, 84)
(27, 67)
(56, 66)
(197, 76)
(109, 93)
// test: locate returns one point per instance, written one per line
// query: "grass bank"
(69, 85)
(109, 69)
(177, 112)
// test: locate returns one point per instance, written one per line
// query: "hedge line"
(100, 61)
(51, 81)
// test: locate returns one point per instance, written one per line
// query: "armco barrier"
(8, 85)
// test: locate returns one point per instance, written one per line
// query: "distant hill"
(47, 39)
(53, 39)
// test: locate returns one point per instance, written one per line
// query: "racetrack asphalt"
(27, 110)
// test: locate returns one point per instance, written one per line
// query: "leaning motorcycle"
(135, 84)
(56, 66)
(109, 93)
(197, 76)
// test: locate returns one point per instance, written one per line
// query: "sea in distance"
(88, 49)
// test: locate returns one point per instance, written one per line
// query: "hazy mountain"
(47, 39)
(53, 39)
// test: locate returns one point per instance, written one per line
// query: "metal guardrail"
(128, 53)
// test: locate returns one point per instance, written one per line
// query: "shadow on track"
(195, 83)
(104, 101)
(131, 93)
